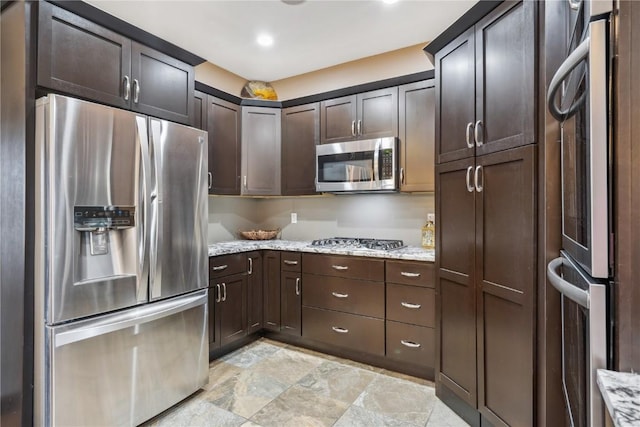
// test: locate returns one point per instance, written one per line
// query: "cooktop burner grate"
(359, 243)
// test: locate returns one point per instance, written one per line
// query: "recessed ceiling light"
(265, 40)
(390, 1)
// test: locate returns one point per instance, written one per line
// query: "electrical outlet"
(294, 218)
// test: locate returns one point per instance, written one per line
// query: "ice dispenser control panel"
(89, 218)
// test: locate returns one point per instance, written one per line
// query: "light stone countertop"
(410, 253)
(621, 393)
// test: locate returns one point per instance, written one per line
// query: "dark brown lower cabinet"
(410, 343)
(254, 292)
(291, 302)
(228, 300)
(351, 331)
(486, 275)
(271, 288)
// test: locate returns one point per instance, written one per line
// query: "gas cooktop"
(359, 243)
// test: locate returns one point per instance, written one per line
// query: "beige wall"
(396, 63)
(378, 67)
(219, 78)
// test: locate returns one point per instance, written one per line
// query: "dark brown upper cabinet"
(300, 135)
(485, 83)
(199, 119)
(261, 142)
(363, 116)
(81, 58)
(416, 104)
(223, 127)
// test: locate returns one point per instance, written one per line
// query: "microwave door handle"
(376, 161)
(573, 60)
(572, 292)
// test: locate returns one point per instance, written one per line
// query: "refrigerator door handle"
(144, 204)
(128, 319)
(155, 141)
(567, 289)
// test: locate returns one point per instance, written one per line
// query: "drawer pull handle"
(219, 267)
(340, 330)
(337, 295)
(340, 267)
(410, 344)
(409, 305)
(407, 274)
(297, 286)
(289, 262)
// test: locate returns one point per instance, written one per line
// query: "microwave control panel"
(386, 163)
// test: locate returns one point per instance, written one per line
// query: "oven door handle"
(573, 60)
(570, 291)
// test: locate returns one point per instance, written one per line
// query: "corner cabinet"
(486, 216)
(254, 292)
(416, 107)
(261, 136)
(81, 58)
(300, 135)
(363, 116)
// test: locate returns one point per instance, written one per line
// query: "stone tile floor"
(268, 383)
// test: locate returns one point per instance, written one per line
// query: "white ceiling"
(309, 35)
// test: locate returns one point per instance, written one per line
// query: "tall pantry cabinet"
(485, 206)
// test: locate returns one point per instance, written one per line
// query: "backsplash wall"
(382, 216)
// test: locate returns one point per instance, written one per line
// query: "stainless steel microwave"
(357, 166)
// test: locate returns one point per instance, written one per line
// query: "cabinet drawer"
(411, 273)
(344, 266)
(351, 331)
(225, 265)
(347, 295)
(410, 343)
(290, 261)
(411, 304)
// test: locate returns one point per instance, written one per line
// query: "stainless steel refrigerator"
(120, 266)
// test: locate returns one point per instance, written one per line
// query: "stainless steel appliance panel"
(126, 367)
(92, 158)
(179, 210)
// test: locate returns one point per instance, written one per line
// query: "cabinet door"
(291, 300)
(233, 308)
(199, 110)
(223, 126)
(506, 291)
(417, 107)
(377, 115)
(214, 314)
(300, 135)
(78, 57)
(338, 119)
(505, 78)
(271, 286)
(261, 151)
(255, 291)
(162, 86)
(455, 95)
(455, 290)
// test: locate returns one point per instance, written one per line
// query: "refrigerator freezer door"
(126, 367)
(178, 252)
(92, 188)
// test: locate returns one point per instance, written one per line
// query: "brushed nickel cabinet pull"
(409, 305)
(408, 274)
(340, 330)
(210, 179)
(136, 90)
(353, 128)
(250, 266)
(477, 133)
(337, 295)
(127, 88)
(410, 344)
(477, 184)
(359, 127)
(298, 286)
(218, 293)
(340, 267)
(289, 262)
(219, 267)
(224, 292)
(469, 184)
(468, 135)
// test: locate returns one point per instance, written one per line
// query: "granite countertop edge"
(409, 253)
(621, 394)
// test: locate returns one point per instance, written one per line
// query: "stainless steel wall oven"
(579, 98)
